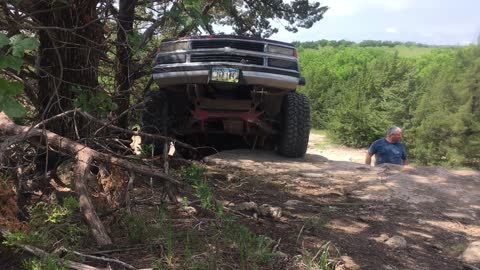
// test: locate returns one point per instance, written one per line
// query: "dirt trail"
(331, 196)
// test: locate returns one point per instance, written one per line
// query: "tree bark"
(70, 35)
(123, 80)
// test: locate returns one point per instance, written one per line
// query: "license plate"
(225, 75)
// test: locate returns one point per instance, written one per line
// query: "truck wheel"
(295, 125)
(155, 119)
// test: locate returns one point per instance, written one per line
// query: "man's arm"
(405, 162)
(368, 159)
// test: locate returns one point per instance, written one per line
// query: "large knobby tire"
(155, 119)
(295, 125)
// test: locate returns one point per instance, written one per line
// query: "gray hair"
(392, 130)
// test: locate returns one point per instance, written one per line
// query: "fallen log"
(70, 264)
(41, 253)
(84, 157)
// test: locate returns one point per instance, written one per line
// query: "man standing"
(388, 149)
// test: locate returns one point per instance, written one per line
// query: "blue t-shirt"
(386, 152)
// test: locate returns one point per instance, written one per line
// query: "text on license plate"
(225, 75)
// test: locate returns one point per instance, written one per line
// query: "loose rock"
(397, 242)
(246, 206)
(270, 211)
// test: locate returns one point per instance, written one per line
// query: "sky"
(435, 22)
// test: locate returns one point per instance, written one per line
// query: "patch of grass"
(253, 250)
(166, 230)
(204, 193)
(320, 260)
(193, 173)
(49, 262)
(137, 230)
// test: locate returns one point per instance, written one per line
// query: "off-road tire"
(295, 125)
(155, 119)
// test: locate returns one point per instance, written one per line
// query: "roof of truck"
(229, 37)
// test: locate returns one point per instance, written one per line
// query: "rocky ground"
(386, 217)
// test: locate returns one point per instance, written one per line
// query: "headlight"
(281, 50)
(173, 46)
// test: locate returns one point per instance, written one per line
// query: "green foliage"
(320, 260)
(19, 44)
(193, 173)
(446, 124)
(204, 193)
(136, 229)
(101, 103)
(366, 43)
(49, 262)
(51, 223)
(16, 238)
(147, 150)
(166, 229)
(8, 103)
(254, 250)
(357, 90)
(12, 58)
(53, 212)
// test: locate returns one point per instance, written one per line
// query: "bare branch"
(41, 253)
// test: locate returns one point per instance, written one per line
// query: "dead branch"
(128, 190)
(109, 123)
(58, 116)
(84, 156)
(102, 259)
(41, 253)
(101, 252)
(71, 264)
(129, 132)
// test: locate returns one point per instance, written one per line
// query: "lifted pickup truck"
(228, 91)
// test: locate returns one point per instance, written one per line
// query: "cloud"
(344, 8)
(391, 30)
(393, 5)
(466, 42)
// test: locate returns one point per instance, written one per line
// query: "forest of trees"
(357, 91)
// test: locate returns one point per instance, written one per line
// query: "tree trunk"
(124, 58)
(70, 47)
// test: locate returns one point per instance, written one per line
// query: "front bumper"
(177, 74)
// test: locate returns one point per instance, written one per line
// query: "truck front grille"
(236, 44)
(250, 60)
